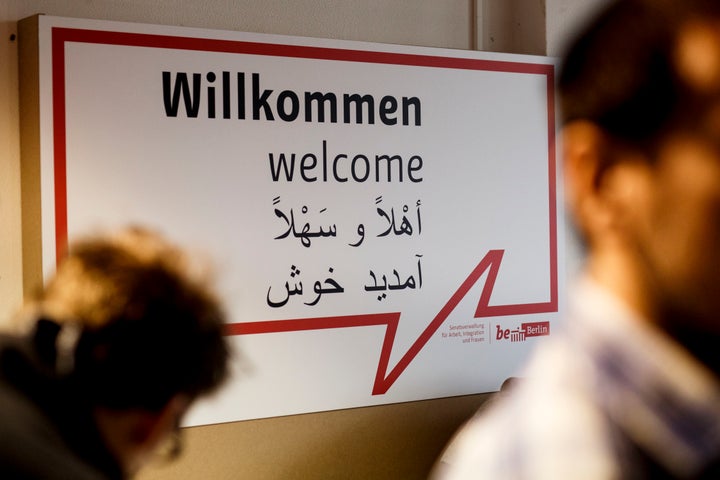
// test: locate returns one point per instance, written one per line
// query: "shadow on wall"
(400, 441)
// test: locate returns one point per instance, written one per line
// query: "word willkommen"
(192, 90)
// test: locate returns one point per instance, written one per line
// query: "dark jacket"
(46, 427)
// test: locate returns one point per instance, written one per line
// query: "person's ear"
(605, 184)
(155, 435)
(158, 425)
(138, 436)
(584, 157)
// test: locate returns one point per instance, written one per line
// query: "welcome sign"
(384, 219)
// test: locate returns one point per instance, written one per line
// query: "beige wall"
(396, 441)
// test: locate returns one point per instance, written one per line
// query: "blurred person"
(629, 389)
(125, 338)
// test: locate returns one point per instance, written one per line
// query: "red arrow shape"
(383, 379)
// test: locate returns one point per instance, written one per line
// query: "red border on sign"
(490, 263)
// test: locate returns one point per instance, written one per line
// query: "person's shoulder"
(546, 425)
(31, 446)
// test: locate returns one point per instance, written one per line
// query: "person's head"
(149, 336)
(640, 97)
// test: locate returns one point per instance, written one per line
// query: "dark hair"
(149, 328)
(619, 72)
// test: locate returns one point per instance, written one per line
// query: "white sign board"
(385, 218)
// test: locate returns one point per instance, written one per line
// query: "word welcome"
(311, 167)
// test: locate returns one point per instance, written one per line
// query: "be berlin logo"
(523, 332)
